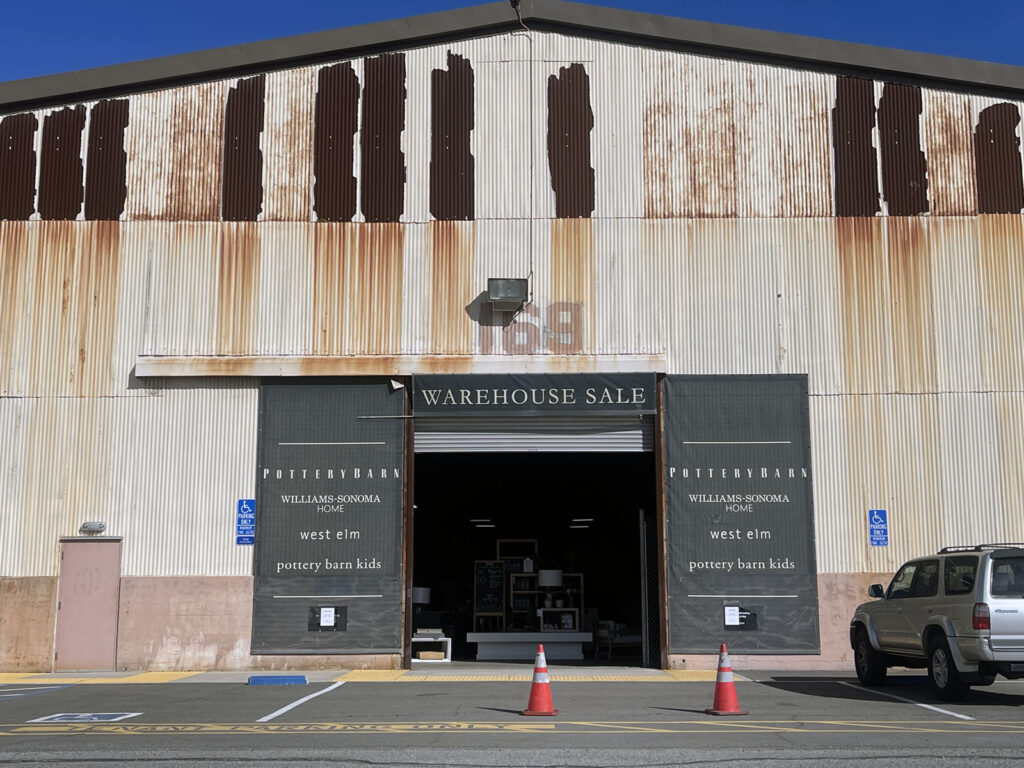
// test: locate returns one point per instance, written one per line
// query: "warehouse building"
(632, 335)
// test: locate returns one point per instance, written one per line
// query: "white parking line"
(908, 701)
(294, 704)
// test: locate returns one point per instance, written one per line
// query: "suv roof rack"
(979, 547)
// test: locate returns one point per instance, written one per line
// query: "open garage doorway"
(553, 543)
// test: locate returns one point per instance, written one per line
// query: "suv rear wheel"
(943, 674)
(869, 663)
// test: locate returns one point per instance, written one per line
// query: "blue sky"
(60, 36)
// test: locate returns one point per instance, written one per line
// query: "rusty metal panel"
(724, 138)
(151, 152)
(335, 125)
(904, 179)
(383, 164)
(570, 122)
(1000, 265)
(106, 160)
(243, 158)
(238, 282)
(867, 355)
(949, 148)
(451, 256)
(18, 166)
(71, 308)
(913, 305)
(357, 288)
(288, 147)
(998, 160)
(452, 168)
(958, 314)
(60, 164)
(175, 153)
(856, 159)
(16, 343)
(197, 151)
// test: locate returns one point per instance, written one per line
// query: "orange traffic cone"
(540, 691)
(725, 690)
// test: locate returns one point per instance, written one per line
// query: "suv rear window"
(1007, 576)
(960, 573)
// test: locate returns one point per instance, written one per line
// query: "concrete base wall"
(204, 623)
(838, 595)
(201, 623)
(28, 610)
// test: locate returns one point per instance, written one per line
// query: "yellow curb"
(695, 675)
(15, 677)
(158, 677)
(371, 675)
(142, 677)
(527, 677)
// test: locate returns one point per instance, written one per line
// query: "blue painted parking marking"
(85, 717)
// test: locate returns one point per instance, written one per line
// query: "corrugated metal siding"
(944, 466)
(163, 471)
(708, 237)
(583, 434)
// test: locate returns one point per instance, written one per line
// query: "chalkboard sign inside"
(489, 591)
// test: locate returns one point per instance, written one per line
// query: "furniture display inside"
(517, 606)
(444, 643)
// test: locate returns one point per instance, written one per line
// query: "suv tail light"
(980, 618)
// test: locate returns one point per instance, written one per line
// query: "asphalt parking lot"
(436, 712)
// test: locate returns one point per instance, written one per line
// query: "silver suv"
(960, 613)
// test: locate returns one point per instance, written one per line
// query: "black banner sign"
(740, 522)
(329, 494)
(533, 394)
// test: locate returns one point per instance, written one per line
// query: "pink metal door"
(87, 600)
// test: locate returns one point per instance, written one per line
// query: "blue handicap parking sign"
(878, 527)
(245, 522)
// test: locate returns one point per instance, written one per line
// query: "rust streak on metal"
(52, 369)
(60, 173)
(196, 153)
(862, 280)
(243, 158)
(856, 170)
(97, 283)
(1001, 285)
(451, 122)
(336, 121)
(913, 321)
(383, 162)
(997, 158)
(452, 255)
(904, 182)
(572, 284)
(332, 244)
(17, 166)
(950, 154)
(377, 289)
(357, 299)
(105, 185)
(238, 288)
(14, 266)
(570, 121)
